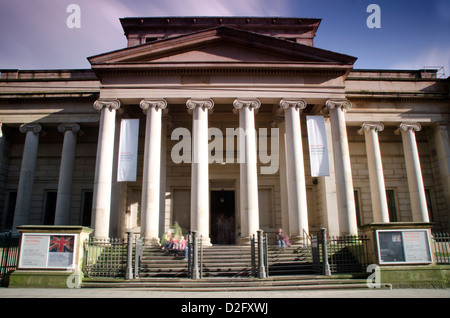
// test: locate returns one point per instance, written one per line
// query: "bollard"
(129, 270)
(261, 267)
(326, 265)
(195, 272)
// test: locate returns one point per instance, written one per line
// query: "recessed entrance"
(223, 225)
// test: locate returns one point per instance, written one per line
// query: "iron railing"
(9, 255)
(339, 254)
(348, 253)
(441, 242)
(105, 258)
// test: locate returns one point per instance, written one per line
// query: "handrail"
(306, 239)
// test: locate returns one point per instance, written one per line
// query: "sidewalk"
(142, 293)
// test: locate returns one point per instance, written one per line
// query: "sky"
(413, 34)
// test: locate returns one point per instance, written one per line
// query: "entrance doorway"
(222, 220)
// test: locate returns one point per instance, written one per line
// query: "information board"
(403, 247)
(47, 251)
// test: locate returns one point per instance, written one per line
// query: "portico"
(244, 82)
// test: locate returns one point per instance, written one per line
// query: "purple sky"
(413, 33)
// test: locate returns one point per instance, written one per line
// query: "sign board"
(403, 247)
(47, 251)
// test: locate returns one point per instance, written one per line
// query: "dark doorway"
(223, 225)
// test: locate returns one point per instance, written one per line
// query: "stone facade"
(387, 132)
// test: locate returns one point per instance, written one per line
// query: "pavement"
(142, 293)
(103, 302)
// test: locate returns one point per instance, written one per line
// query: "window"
(49, 207)
(10, 209)
(359, 218)
(86, 212)
(392, 206)
(429, 204)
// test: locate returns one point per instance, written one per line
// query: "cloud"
(217, 8)
(434, 56)
(41, 38)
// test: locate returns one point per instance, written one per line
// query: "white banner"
(318, 150)
(128, 150)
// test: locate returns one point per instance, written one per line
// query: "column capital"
(337, 103)
(112, 103)
(153, 103)
(371, 126)
(246, 102)
(207, 103)
(298, 104)
(194, 103)
(69, 127)
(35, 128)
(403, 127)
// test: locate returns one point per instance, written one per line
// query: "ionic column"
(296, 186)
(151, 174)
(343, 171)
(376, 176)
(442, 142)
(101, 205)
(414, 172)
(26, 178)
(63, 200)
(166, 123)
(199, 168)
(279, 122)
(248, 168)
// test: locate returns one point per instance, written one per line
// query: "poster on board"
(47, 251)
(403, 247)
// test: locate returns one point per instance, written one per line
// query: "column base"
(206, 242)
(244, 240)
(297, 240)
(152, 242)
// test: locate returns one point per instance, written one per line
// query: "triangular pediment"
(220, 52)
(221, 45)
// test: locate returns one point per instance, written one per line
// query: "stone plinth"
(45, 259)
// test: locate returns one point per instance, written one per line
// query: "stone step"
(226, 260)
(234, 284)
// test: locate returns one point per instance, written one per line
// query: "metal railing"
(9, 255)
(105, 258)
(441, 242)
(348, 253)
(339, 254)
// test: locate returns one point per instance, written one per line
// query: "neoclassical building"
(220, 108)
